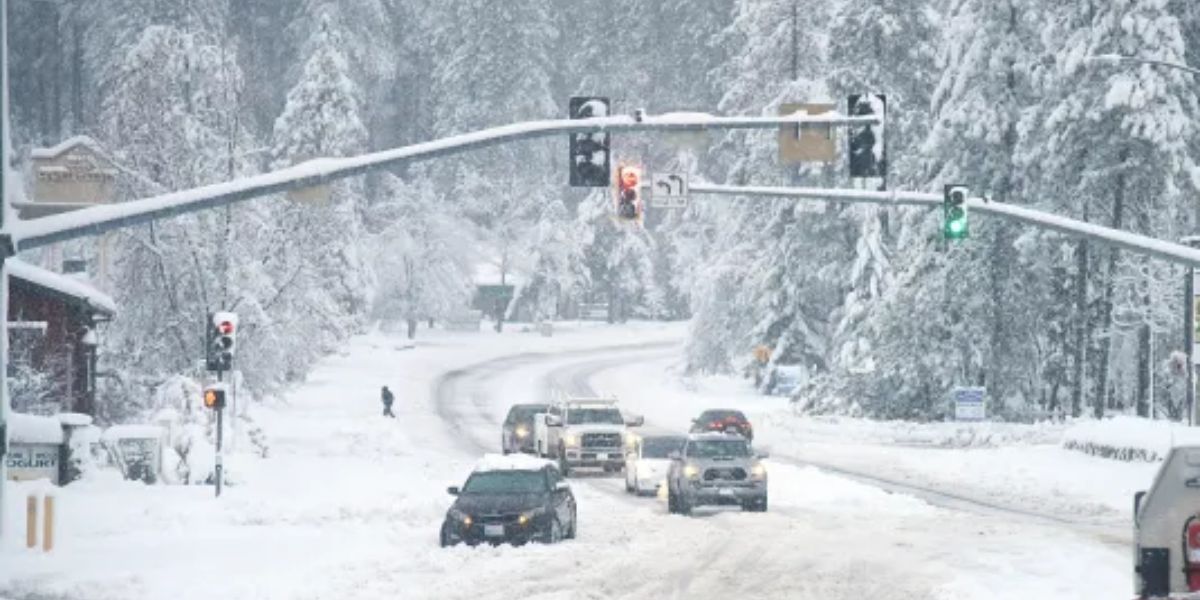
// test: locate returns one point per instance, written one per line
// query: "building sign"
(73, 172)
(27, 462)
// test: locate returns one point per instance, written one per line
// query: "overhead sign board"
(970, 403)
(811, 142)
(669, 190)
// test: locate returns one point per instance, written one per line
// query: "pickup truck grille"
(601, 440)
(725, 474)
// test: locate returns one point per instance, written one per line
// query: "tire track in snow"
(580, 375)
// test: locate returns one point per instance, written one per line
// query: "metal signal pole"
(6, 250)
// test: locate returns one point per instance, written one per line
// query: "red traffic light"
(225, 327)
(629, 177)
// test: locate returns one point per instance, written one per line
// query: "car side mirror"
(675, 455)
(452, 490)
(562, 486)
(635, 421)
(553, 421)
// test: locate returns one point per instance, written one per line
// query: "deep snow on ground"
(349, 503)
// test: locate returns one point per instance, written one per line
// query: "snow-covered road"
(349, 504)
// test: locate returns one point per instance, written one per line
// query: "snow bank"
(511, 462)
(118, 432)
(33, 429)
(1129, 438)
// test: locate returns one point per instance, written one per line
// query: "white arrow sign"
(669, 190)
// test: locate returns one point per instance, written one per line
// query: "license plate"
(725, 492)
(601, 456)
(493, 530)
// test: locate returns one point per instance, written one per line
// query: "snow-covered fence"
(1128, 438)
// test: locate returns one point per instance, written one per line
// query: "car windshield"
(505, 482)
(718, 449)
(661, 447)
(580, 416)
(524, 413)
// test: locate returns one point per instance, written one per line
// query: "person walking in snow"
(388, 398)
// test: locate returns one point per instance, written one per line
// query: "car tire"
(684, 506)
(574, 525)
(757, 505)
(629, 489)
(554, 535)
(672, 507)
(444, 537)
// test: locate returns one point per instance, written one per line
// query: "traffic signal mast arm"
(99, 219)
(1141, 244)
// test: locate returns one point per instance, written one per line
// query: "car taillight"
(1191, 553)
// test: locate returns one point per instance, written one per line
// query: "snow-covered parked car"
(584, 432)
(716, 469)
(510, 499)
(648, 461)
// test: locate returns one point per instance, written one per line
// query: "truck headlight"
(522, 431)
(758, 471)
(691, 471)
(571, 439)
(630, 441)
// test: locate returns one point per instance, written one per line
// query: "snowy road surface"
(349, 504)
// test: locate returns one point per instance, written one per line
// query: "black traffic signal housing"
(954, 212)
(214, 397)
(221, 341)
(629, 193)
(868, 148)
(589, 152)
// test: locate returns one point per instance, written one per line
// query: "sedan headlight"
(691, 471)
(522, 431)
(758, 471)
(571, 439)
(529, 516)
(461, 517)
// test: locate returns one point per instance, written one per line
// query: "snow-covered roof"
(118, 432)
(34, 429)
(510, 462)
(67, 144)
(62, 284)
(72, 419)
(488, 273)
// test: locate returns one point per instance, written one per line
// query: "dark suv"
(511, 499)
(516, 434)
(723, 420)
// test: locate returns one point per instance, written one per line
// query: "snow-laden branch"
(99, 219)
(1170, 251)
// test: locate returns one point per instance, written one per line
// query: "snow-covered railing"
(99, 219)
(1142, 244)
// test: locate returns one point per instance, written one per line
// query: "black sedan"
(511, 499)
(516, 435)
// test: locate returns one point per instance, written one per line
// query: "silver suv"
(716, 469)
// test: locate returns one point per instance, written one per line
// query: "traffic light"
(629, 193)
(221, 342)
(589, 153)
(954, 212)
(868, 148)
(214, 397)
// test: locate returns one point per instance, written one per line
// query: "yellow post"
(31, 521)
(48, 523)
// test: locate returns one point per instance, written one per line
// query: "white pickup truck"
(584, 432)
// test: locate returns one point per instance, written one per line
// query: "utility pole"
(1189, 331)
(6, 250)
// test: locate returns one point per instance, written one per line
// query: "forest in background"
(993, 94)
